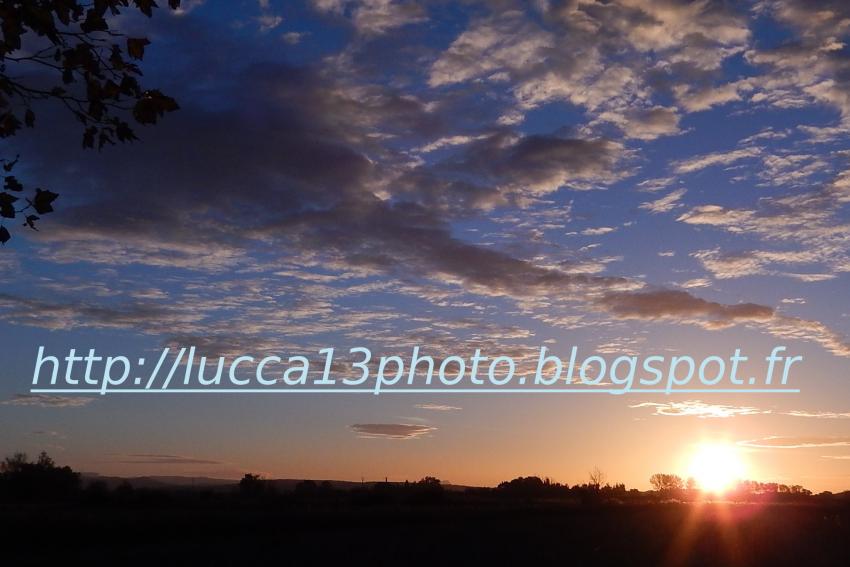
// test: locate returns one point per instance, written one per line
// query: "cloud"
(680, 305)
(778, 442)
(808, 330)
(665, 204)
(696, 408)
(564, 53)
(324, 181)
(48, 433)
(810, 219)
(293, 38)
(268, 22)
(504, 42)
(437, 407)
(540, 164)
(727, 265)
(819, 414)
(811, 68)
(645, 124)
(598, 231)
(374, 17)
(697, 163)
(707, 96)
(146, 316)
(824, 134)
(392, 430)
(159, 459)
(449, 141)
(695, 283)
(47, 401)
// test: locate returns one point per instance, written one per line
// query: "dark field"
(218, 530)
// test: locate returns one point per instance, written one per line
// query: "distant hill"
(159, 481)
(207, 483)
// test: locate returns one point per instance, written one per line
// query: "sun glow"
(716, 467)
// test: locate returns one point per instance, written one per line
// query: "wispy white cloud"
(392, 430)
(696, 408)
(437, 407)
(778, 442)
(666, 203)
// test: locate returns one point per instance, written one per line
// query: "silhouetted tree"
(525, 486)
(597, 478)
(42, 478)
(428, 490)
(253, 485)
(666, 482)
(64, 52)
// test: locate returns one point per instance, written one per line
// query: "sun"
(716, 467)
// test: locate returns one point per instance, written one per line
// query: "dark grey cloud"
(160, 459)
(539, 164)
(47, 401)
(147, 317)
(681, 305)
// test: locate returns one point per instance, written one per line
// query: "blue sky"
(631, 176)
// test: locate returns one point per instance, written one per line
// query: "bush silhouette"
(40, 479)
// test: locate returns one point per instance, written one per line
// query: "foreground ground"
(229, 531)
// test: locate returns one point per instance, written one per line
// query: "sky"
(629, 176)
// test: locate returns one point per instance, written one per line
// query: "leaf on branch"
(29, 118)
(42, 201)
(4, 235)
(94, 22)
(7, 209)
(136, 47)
(12, 184)
(88, 137)
(31, 221)
(130, 86)
(153, 105)
(9, 165)
(146, 6)
(124, 132)
(9, 124)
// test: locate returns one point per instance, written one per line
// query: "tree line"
(42, 479)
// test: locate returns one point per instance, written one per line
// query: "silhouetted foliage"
(428, 490)
(254, 485)
(63, 51)
(40, 479)
(597, 478)
(524, 486)
(666, 482)
(23, 480)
